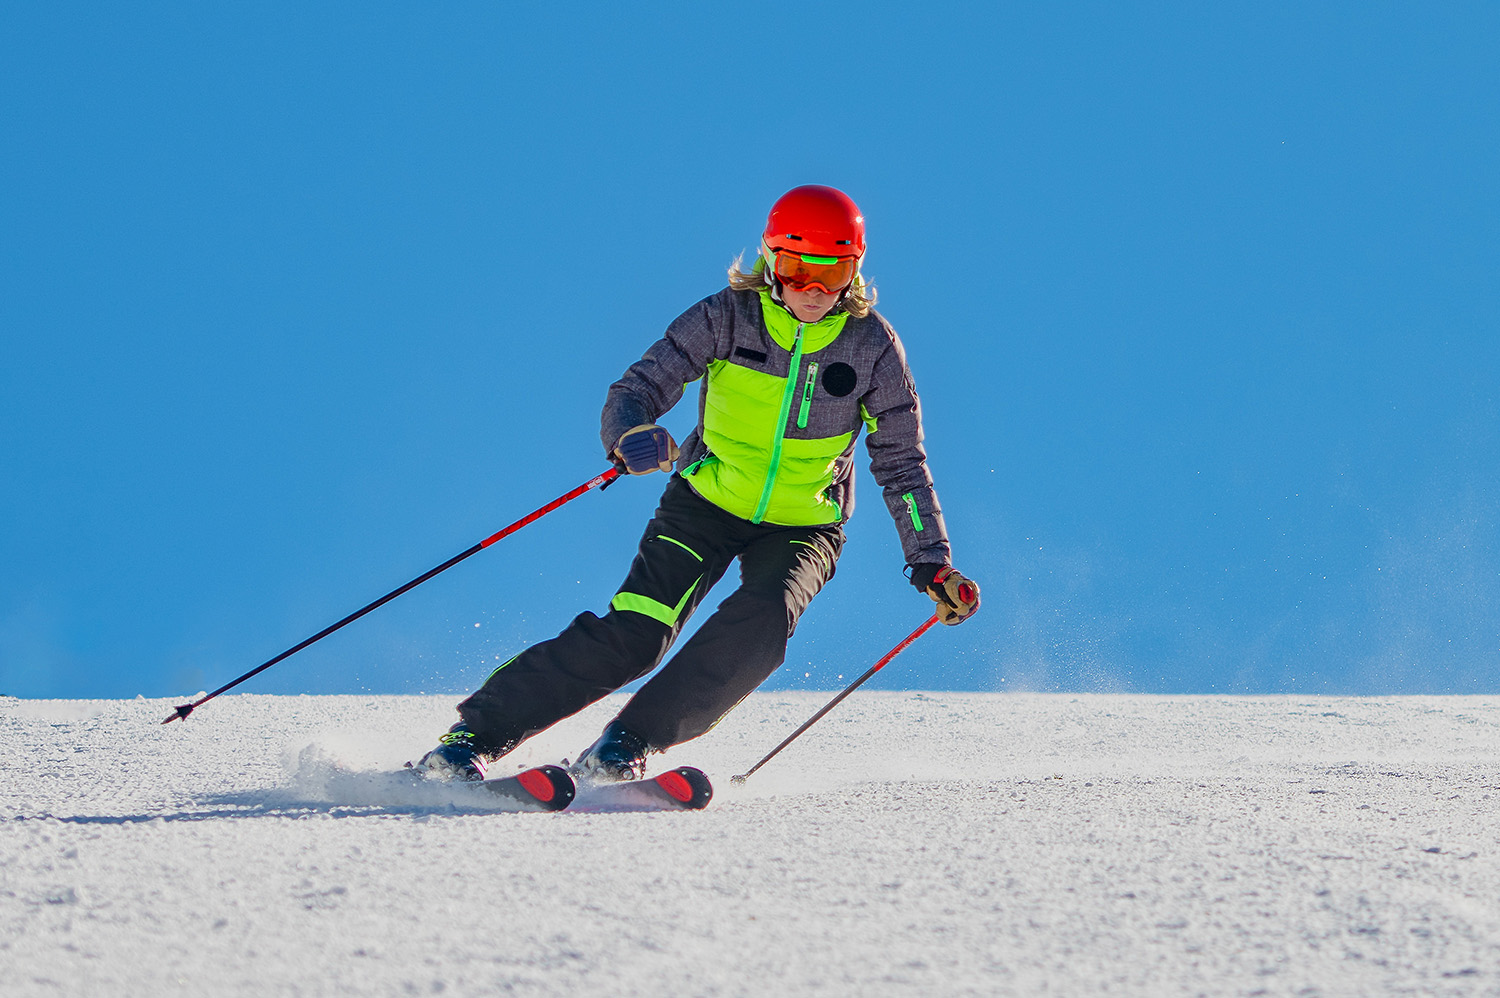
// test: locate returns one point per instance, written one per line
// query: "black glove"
(956, 597)
(644, 449)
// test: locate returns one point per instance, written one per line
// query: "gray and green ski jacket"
(781, 405)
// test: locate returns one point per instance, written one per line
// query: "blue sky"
(1201, 301)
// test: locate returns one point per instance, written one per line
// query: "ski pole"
(905, 643)
(183, 710)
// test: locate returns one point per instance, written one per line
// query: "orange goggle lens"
(831, 274)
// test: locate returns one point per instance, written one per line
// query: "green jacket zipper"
(807, 394)
(786, 409)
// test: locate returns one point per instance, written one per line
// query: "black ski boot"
(618, 755)
(454, 759)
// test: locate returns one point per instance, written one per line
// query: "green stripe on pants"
(652, 608)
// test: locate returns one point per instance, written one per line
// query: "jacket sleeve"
(899, 462)
(654, 384)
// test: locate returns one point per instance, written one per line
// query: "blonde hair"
(857, 301)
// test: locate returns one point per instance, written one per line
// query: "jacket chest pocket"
(809, 385)
(827, 397)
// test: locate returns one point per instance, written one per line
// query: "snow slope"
(910, 844)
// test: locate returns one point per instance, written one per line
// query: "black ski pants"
(687, 547)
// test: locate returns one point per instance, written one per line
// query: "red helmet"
(820, 221)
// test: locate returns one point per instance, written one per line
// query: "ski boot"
(618, 755)
(455, 758)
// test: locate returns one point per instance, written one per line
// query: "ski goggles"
(800, 271)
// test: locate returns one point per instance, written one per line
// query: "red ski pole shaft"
(183, 710)
(905, 643)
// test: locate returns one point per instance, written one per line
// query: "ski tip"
(550, 785)
(689, 787)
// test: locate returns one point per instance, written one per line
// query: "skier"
(794, 361)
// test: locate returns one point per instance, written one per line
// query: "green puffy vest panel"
(754, 470)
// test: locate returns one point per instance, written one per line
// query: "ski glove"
(644, 449)
(956, 597)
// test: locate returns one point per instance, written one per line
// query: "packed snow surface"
(908, 844)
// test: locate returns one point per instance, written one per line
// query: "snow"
(908, 844)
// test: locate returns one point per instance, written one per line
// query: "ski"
(544, 788)
(551, 788)
(680, 789)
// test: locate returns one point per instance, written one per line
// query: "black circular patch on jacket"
(839, 380)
